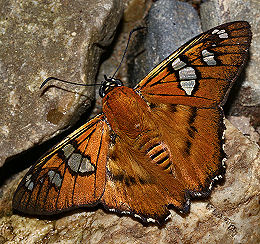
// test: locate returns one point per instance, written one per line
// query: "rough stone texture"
(243, 124)
(230, 215)
(247, 94)
(40, 39)
(170, 24)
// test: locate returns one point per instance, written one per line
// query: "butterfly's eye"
(108, 85)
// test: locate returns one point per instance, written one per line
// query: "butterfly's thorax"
(129, 117)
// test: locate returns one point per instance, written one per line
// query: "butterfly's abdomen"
(160, 155)
(127, 113)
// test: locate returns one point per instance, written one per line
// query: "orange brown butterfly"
(155, 146)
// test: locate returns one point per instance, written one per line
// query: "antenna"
(65, 81)
(130, 34)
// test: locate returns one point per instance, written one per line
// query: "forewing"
(72, 174)
(201, 72)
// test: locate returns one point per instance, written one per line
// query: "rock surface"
(39, 40)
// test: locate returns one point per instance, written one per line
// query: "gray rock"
(170, 24)
(40, 40)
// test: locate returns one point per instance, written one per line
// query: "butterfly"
(156, 146)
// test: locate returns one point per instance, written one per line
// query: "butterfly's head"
(109, 84)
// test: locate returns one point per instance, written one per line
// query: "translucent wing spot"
(187, 74)
(74, 162)
(55, 178)
(178, 64)
(79, 164)
(188, 86)
(68, 150)
(86, 166)
(28, 183)
(225, 35)
(208, 57)
(220, 33)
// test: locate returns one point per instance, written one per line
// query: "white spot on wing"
(55, 178)
(220, 33)
(196, 194)
(68, 150)
(86, 166)
(75, 161)
(126, 212)
(187, 76)
(223, 145)
(28, 178)
(28, 183)
(224, 163)
(213, 181)
(208, 57)
(78, 163)
(111, 210)
(30, 186)
(225, 35)
(150, 220)
(178, 64)
(187, 73)
(188, 86)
